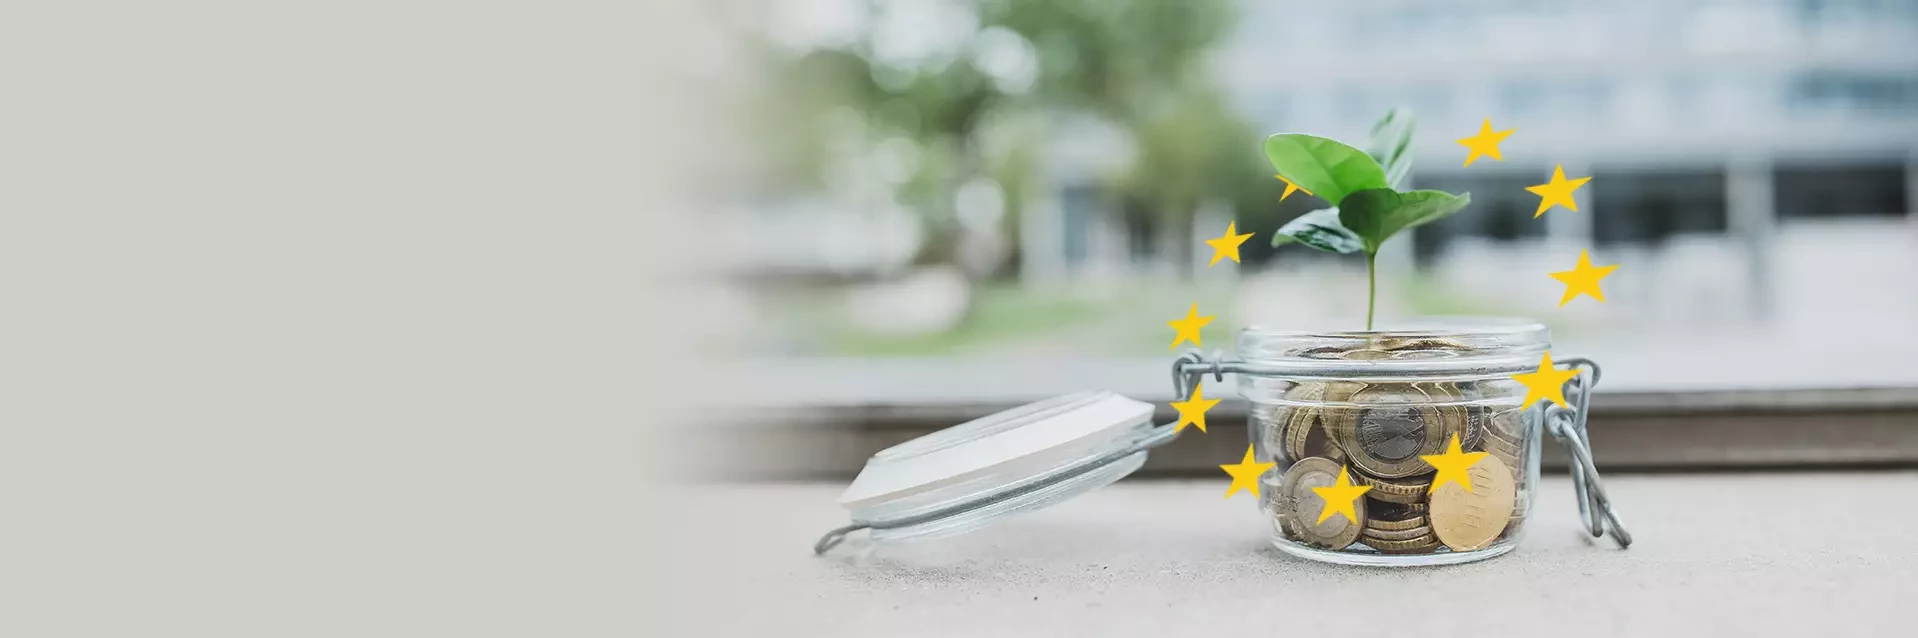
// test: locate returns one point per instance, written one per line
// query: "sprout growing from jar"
(1368, 207)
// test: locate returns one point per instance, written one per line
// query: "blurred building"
(1754, 162)
(1776, 141)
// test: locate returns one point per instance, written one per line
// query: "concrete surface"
(1796, 554)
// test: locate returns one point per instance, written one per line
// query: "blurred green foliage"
(1137, 66)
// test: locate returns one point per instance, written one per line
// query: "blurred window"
(1652, 207)
(1837, 191)
(1500, 211)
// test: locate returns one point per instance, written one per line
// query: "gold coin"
(1420, 545)
(1303, 506)
(1305, 437)
(1499, 445)
(1454, 418)
(1277, 426)
(1406, 490)
(1471, 520)
(1387, 510)
(1478, 418)
(1397, 344)
(1376, 525)
(1416, 533)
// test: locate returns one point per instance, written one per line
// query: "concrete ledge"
(1642, 431)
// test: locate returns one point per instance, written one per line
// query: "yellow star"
(1289, 188)
(1227, 245)
(1485, 143)
(1452, 465)
(1188, 327)
(1583, 279)
(1245, 474)
(1557, 191)
(1547, 383)
(1340, 497)
(1193, 410)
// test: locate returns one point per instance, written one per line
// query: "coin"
(1500, 445)
(1471, 520)
(1321, 352)
(1415, 533)
(1477, 417)
(1276, 427)
(1421, 545)
(1407, 490)
(1305, 437)
(1389, 430)
(1389, 511)
(1509, 423)
(1454, 416)
(1399, 344)
(1305, 433)
(1367, 354)
(1376, 525)
(1392, 433)
(1303, 506)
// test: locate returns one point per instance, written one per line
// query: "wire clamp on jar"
(1567, 425)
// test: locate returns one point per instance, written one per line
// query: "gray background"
(321, 319)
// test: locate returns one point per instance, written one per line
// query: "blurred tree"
(1192, 150)
(982, 111)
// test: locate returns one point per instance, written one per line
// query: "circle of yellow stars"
(1545, 384)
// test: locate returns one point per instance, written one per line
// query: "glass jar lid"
(1025, 458)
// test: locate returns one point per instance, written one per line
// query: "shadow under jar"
(1380, 402)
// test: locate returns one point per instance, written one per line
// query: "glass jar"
(1372, 406)
(1352, 414)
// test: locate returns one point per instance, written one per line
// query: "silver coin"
(1392, 433)
(1389, 428)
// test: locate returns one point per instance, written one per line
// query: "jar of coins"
(1400, 447)
(1411, 446)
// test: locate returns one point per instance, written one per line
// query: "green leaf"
(1391, 145)
(1319, 229)
(1325, 167)
(1377, 214)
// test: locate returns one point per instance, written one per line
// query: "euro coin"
(1468, 520)
(1303, 505)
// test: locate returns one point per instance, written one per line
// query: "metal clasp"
(1567, 425)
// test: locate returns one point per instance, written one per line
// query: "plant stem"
(1371, 286)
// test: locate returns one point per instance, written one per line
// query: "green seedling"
(1368, 208)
